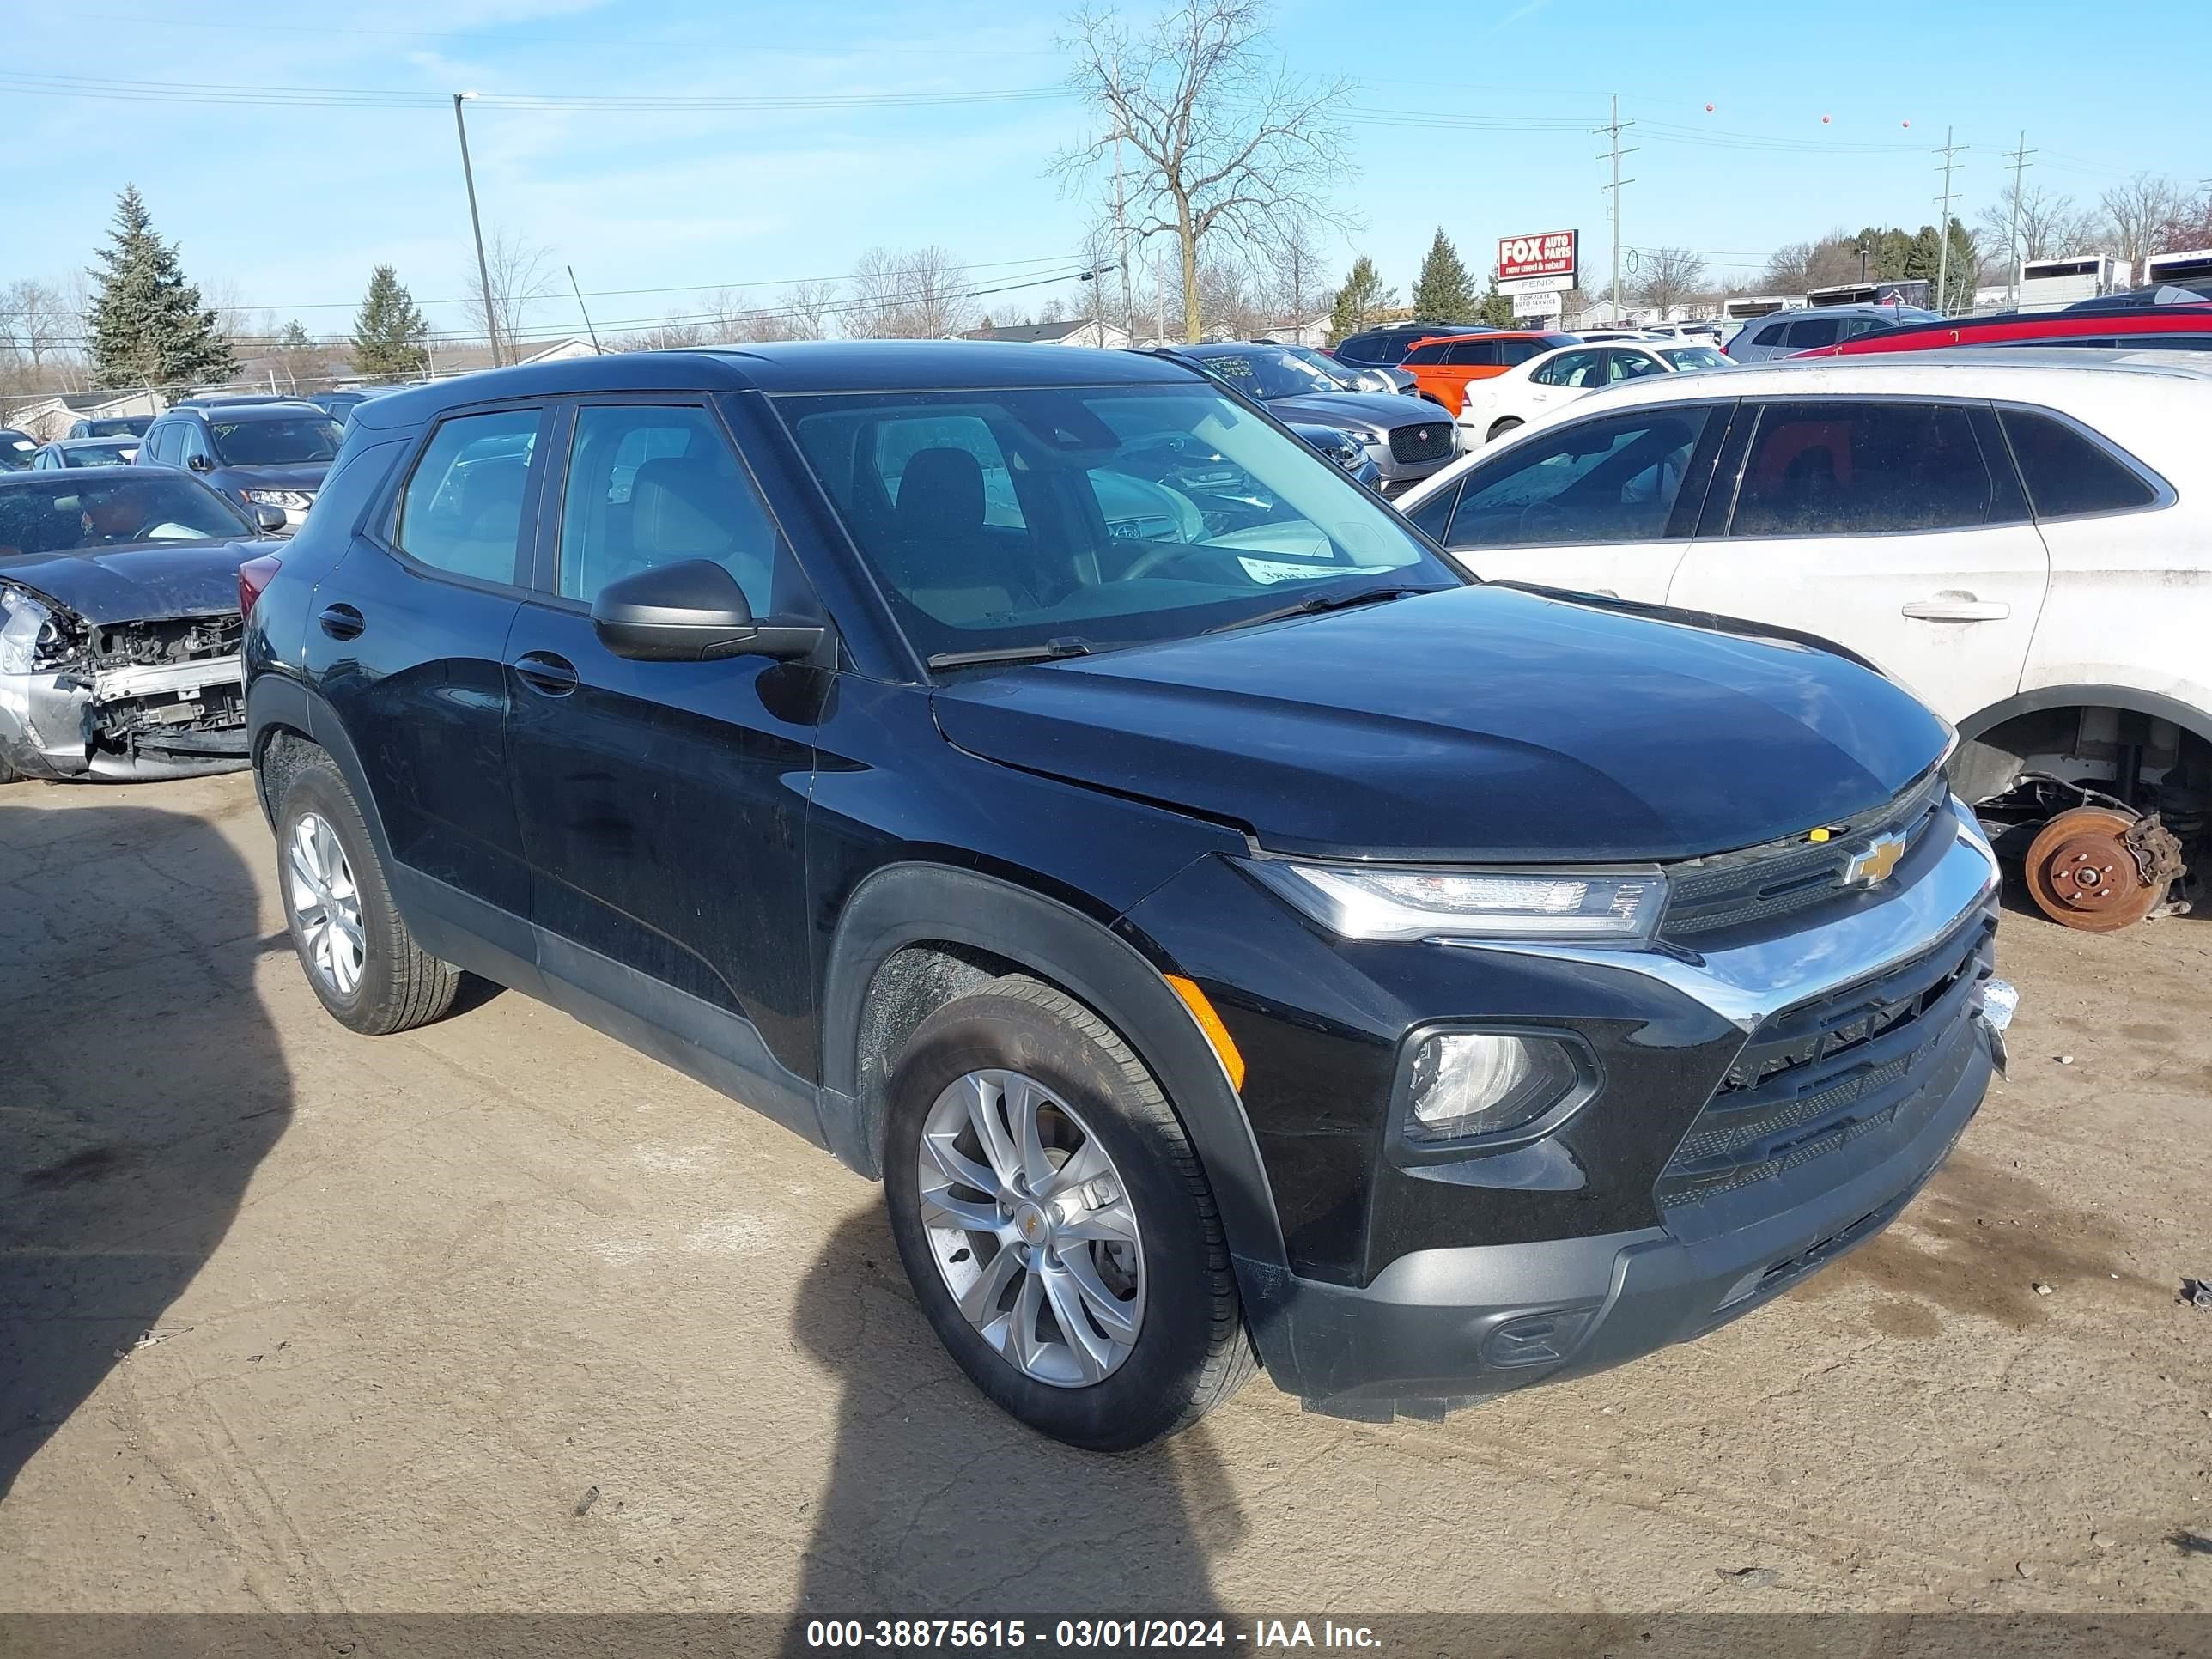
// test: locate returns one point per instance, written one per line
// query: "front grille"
(1429, 442)
(1760, 884)
(1816, 1077)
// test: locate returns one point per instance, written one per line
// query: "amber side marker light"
(1210, 1022)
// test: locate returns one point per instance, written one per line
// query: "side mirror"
(692, 610)
(198, 462)
(268, 519)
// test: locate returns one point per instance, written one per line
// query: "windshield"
(48, 512)
(120, 426)
(15, 451)
(114, 453)
(1093, 517)
(1267, 372)
(275, 442)
(1695, 357)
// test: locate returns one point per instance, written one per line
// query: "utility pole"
(1944, 229)
(578, 293)
(2011, 246)
(483, 269)
(1615, 127)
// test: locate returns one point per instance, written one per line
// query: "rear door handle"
(1958, 609)
(341, 622)
(544, 672)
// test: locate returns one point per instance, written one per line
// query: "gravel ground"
(296, 1321)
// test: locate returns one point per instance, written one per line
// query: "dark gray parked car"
(272, 453)
(1405, 437)
(1785, 332)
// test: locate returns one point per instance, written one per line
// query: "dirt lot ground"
(292, 1320)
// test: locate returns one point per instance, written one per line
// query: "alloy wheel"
(325, 905)
(1031, 1228)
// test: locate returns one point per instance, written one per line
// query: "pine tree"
(1442, 293)
(1361, 295)
(388, 335)
(1496, 310)
(149, 327)
(294, 339)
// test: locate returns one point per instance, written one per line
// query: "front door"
(1895, 528)
(663, 804)
(1603, 506)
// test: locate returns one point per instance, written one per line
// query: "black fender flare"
(2187, 716)
(912, 903)
(277, 703)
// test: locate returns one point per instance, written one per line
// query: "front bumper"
(1439, 1328)
(47, 722)
(1605, 1266)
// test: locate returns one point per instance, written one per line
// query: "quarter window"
(462, 508)
(1611, 480)
(2066, 472)
(1840, 468)
(655, 486)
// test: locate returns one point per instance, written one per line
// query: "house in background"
(1076, 332)
(51, 417)
(1311, 332)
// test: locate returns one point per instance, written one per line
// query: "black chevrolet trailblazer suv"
(1232, 936)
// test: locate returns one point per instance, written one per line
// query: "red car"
(2151, 328)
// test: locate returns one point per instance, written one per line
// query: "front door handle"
(341, 622)
(544, 672)
(1959, 609)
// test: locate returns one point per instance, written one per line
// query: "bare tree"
(1300, 286)
(920, 294)
(522, 274)
(808, 306)
(40, 333)
(1227, 143)
(1668, 277)
(2190, 227)
(2137, 212)
(2048, 226)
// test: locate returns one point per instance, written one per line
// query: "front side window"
(1475, 354)
(1094, 516)
(2068, 472)
(649, 486)
(1611, 480)
(462, 509)
(191, 441)
(1634, 365)
(1685, 358)
(1422, 357)
(283, 442)
(1842, 468)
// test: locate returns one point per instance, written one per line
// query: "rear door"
(1603, 506)
(1896, 527)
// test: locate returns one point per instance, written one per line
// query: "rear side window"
(462, 509)
(1475, 354)
(1770, 335)
(2068, 472)
(1510, 352)
(1837, 468)
(1812, 331)
(1427, 354)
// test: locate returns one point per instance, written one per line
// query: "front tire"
(1055, 1223)
(358, 955)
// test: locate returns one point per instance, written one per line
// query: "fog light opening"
(1470, 1084)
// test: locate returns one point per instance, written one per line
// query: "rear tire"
(358, 955)
(1127, 1239)
(1500, 429)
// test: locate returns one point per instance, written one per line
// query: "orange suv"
(1442, 364)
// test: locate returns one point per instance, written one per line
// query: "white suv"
(2023, 537)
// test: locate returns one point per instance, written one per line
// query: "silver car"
(1786, 332)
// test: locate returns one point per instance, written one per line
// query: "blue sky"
(1468, 114)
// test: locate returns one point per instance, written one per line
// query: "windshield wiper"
(1064, 646)
(1319, 603)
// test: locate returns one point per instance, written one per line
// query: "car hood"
(1478, 723)
(1384, 409)
(137, 583)
(292, 475)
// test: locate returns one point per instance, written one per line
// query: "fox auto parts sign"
(1538, 261)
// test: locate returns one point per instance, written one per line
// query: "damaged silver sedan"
(119, 625)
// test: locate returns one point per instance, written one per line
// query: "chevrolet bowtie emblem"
(1873, 866)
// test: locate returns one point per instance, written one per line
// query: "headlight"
(22, 619)
(1465, 1084)
(1364, 435)
(1360, 902)
(295, 500)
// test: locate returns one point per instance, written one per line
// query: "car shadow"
(141, 1085)
(940, 1505)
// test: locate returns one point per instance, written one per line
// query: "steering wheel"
(1539, 517)
(1152, 558)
